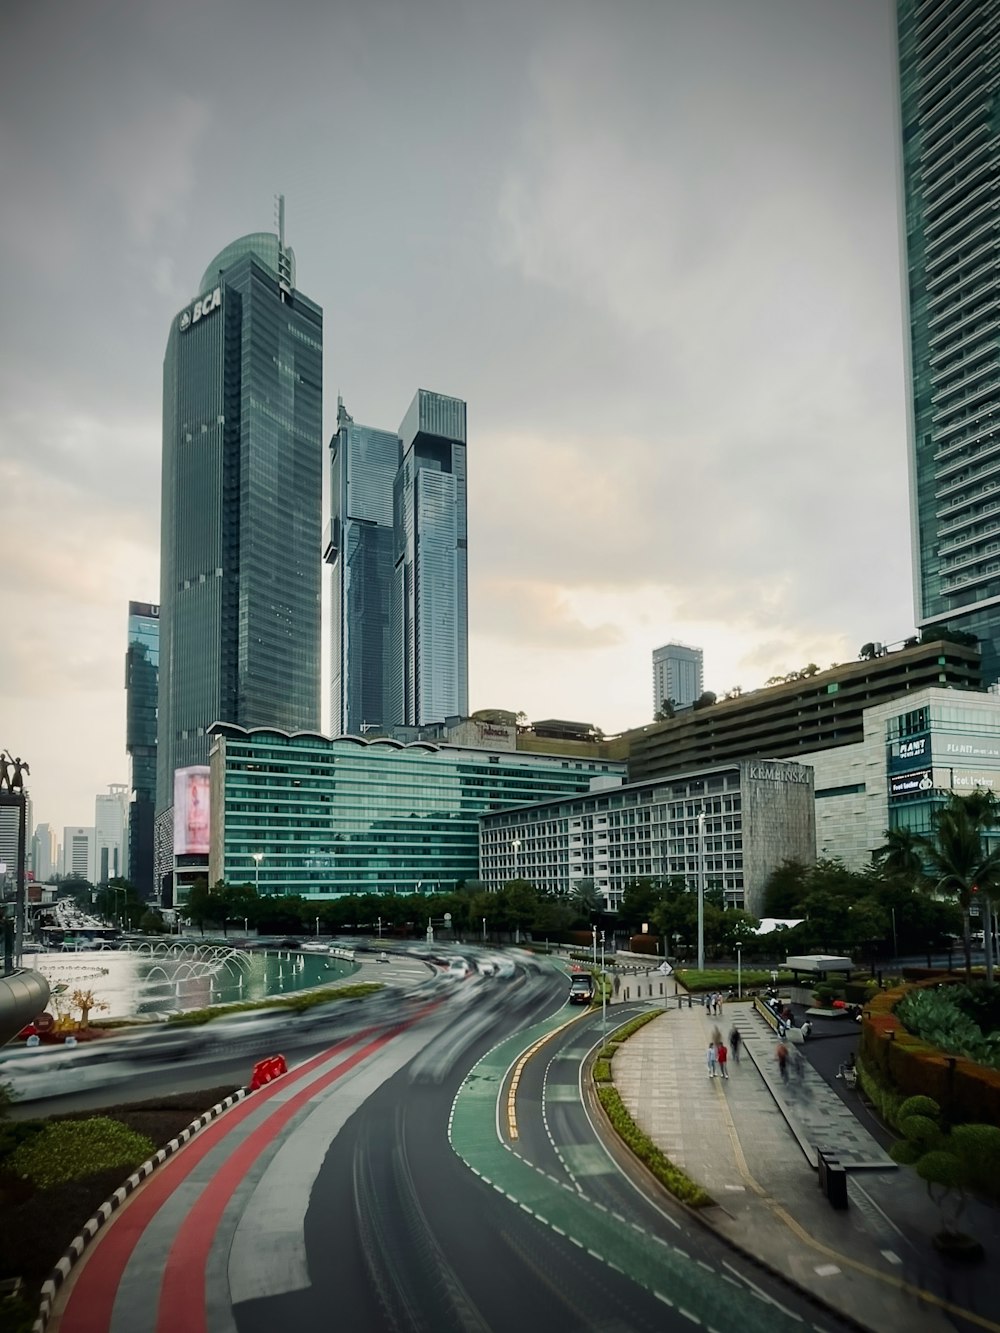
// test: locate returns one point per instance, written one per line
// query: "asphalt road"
(380, 1196)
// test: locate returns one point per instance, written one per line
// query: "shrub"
(69, 1150)
(602, 1071)
(670, 1176)
(298, 1004)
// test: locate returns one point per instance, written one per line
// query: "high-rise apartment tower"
(677, 675)
(240, 567)
(429, 676)
(949, 82)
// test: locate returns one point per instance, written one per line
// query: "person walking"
(712, 1059)
(781, 1054)
(734, 1043)
(721, 1056)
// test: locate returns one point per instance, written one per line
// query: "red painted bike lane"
(90, 1302)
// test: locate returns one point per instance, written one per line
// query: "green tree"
(785, 890)
(640, 899)
(959, 862)
(901, 856)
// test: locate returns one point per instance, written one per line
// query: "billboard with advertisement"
(905, 784)
(909, 753)
(191, 807)
(950, 748)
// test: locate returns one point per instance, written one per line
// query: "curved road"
(376, 1187)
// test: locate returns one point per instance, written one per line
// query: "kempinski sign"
(774, 773)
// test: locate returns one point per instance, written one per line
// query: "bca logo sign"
(200, 309)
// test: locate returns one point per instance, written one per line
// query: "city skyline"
(659, 258)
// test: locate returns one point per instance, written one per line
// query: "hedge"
(67, 1150)
(906, 1066)
(672, 1177)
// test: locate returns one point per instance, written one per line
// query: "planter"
(957, 1245)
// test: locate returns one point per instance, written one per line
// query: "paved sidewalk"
(750, 1140)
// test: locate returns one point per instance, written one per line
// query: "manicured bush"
(670, 1176)
(602, 1071)
(69, 1150)
(298, 1004)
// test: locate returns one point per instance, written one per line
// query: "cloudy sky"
(653, 244)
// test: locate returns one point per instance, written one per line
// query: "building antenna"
(281, 220)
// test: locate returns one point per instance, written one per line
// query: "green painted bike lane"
(703, 1294)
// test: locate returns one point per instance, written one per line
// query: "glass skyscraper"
(241, 520)
(949, 69)
(359, 546)
(430, 600)
(142, 660)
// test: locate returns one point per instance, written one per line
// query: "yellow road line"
(515, 1078)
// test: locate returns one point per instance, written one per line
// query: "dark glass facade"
(429, 678)
(949, 71)
(142, 659)
(363, 467)
(241, 508)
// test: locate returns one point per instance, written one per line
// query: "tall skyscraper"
(240, 558)
(111, 833)
(677, 675)
(142, 659)
(429, 677)
(359, 546)
(44, 853)
(949, 73)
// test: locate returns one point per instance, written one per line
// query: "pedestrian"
(782, 1056)
(716, 1035)
(721, 1057)
(806, 1029)
(734, 1044)
(712, 1059)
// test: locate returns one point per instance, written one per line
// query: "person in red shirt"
(722, 1057)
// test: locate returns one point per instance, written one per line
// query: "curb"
(77, 1246)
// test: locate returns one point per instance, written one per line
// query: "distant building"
(142, 660)
(44, 853)
(366, 816)
(111, 834)
(359, 547)
(241, 522)
(79, 853)
(429, 678)
(677, 675)
(10, 841)
(797, 717)
(949, 72)
(757, 815)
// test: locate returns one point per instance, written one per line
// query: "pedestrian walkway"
(750, 1141)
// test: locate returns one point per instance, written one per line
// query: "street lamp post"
(593, 931)
(246, 925)
(516, 844)
(380, 928)
(604, 996)
(701, 892)
(257, 858)
(317, 927)
(484, 930)
(739, 969)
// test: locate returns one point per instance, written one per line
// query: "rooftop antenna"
(281, 220)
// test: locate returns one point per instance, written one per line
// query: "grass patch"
(722, 978)
(67, 1150)
(602, 1071)
(671, 1177)
(297, 1004)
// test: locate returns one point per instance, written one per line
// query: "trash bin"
(836, 1185)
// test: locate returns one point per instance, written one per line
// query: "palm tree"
(901, 856)
(960, 863)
